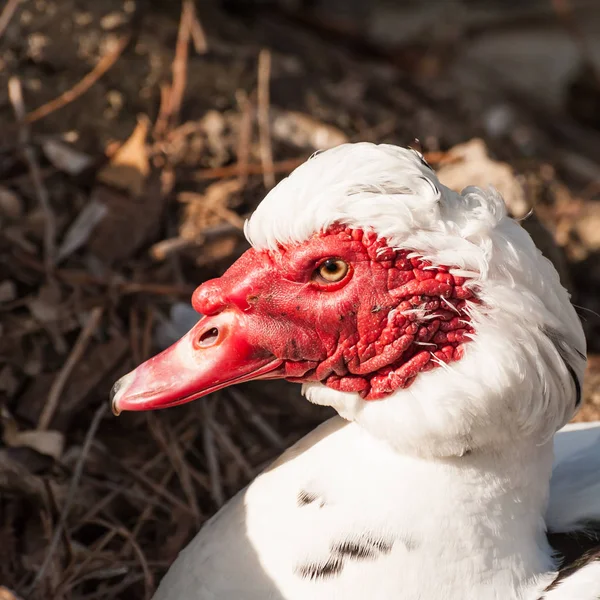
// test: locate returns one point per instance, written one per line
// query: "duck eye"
(331, 271)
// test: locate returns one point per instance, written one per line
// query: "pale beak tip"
(116, 392)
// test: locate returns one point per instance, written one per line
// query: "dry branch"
(264, 128)
(82, 86)
(76, 354)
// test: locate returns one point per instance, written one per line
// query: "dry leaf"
(129, 166)
(209, 209)
(587, 226)
(469, 164)
(66, 158)
(51, 443)
(130, 222)
(6, 594)
(81, 228)
(305, 131)
(218, 249)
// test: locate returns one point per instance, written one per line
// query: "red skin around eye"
(391, 317)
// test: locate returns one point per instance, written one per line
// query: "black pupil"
(331, 266)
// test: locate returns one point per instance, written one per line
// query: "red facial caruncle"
(342, 308)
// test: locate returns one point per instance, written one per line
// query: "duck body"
(383, 525)
(443, 338)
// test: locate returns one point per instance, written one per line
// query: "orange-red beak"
(214, 354)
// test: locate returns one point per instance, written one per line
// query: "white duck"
(432, 324)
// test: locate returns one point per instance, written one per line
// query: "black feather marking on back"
(305, 498)
(364, 547)
(321, 570)
(571, 569)
(577, 385)
(571, 546)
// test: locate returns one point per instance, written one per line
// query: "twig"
(187, 128)
(15, 94)
(146, 514)
(121, 531)
(165, 248)
(78, 277)
(7, 14)
(114, 591)
(184, 437)
(149, 483)
(161, 250)
(245, 135)
(235, 453)
(134, 331)
(76, 353)
(106, 500)
(229, 216)
(147, 333)
(133, 494)
(284, 166)
(211, 456)
(256, 419)
(70, 580)
(197, 32)
(74, 484)
(131, 287)
(172, 95)
(160, 125)
(180, 62)
(264, 128)
(177, 460)
(216, 201)
(82, 86)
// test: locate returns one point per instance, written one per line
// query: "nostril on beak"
(208, 338)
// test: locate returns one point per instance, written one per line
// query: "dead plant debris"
(110, 219)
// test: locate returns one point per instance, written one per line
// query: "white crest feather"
(513, 367)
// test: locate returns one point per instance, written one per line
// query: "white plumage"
(440, 490)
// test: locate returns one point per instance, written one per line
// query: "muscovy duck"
(443, 338)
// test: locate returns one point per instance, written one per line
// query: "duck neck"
(487, 508)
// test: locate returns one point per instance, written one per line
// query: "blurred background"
(135, 138)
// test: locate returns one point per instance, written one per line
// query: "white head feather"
(519, 375)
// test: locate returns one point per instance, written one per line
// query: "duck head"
(428, 317)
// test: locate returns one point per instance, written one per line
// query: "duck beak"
(215, 353)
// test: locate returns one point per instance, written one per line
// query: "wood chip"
(129, 166)
(6, 594)
(129, 223)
